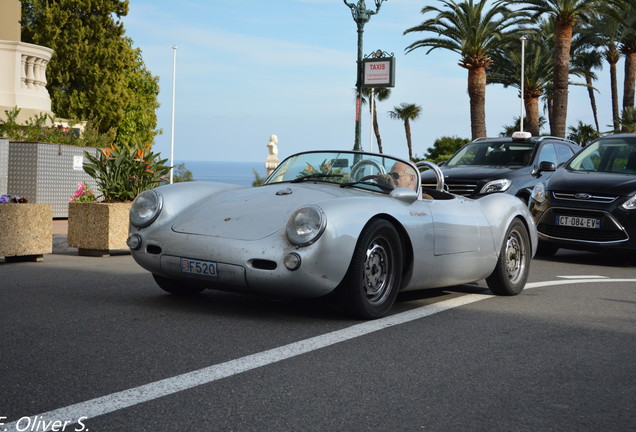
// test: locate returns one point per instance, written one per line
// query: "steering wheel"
(360, 165)
(439, 175)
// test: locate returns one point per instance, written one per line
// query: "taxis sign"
(378, 72)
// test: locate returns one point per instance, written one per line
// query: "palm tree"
(379, 94)
(406, 112)
(628, 120)
(506, 70)
(565, 14)
(474, 32)
(583, 133)
(609, 25)
(628, 48)
(583, 63)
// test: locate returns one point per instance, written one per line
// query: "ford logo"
(583, 196)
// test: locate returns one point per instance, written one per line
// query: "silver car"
(353, 223)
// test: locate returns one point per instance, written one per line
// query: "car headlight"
(306, 226)
(538, 193)
(630, 204)
(500, 185)
(145, 208)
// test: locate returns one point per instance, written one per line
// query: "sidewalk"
(60, 233)
(60, 227)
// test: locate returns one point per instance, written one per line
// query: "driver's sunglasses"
(396, 176)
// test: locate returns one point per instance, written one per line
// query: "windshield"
(493, 154)
(348, 169)
(608, 155)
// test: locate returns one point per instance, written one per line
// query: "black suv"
(508, 164)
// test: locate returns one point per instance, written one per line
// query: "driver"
(401, 175)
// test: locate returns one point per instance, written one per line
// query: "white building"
(22, 67)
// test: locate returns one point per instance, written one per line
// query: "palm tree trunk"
(590, 93)
(477, 95)
(376, 129)
(630, 79)
(532, 115)
(407, 130)
(612, 55)
(562, 43)
(616, 117)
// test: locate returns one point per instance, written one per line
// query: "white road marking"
(584, 277)
(82, 411)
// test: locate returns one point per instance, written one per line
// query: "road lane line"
(82, 411)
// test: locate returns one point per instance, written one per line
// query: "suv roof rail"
(543, 137)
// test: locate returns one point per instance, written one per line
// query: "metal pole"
(174, 80)
(361, 15)
(372, 105)
(523, 58)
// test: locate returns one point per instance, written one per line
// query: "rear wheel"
(511, 273)
(177, 287)
(373, 280)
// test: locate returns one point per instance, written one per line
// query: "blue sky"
(247, 69)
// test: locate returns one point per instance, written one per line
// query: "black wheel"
(373, 280)
(546, 249)
(176, 287)
(513, 265)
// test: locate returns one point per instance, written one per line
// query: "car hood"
(251, 213)
(592, 183)
(475, 172)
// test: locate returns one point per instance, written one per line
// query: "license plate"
(198, 267)
(579, 222)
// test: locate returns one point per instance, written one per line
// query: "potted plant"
(25, 229)
(98, 225)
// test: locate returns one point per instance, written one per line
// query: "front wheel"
(373, 280)
(511, 273)
(176, 287)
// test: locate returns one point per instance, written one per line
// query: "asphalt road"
(94, 343)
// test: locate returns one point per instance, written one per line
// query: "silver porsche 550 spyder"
(353, 223)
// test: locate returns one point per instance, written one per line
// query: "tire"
(511, 273)
(373, 280)
(177, 287)
(546, 249)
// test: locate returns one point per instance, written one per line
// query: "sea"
(239, 173)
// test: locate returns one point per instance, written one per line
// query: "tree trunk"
(590, 93)
(376, 128)
(630, 80)
(477, 95)
(407, 130)
(562, 43)
(532, 115)
(616, 116)
(612, 55)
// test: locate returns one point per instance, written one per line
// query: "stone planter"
(26, 231)
(98, 229)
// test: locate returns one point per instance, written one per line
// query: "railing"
(24, 84)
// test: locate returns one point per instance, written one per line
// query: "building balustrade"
(23, 78)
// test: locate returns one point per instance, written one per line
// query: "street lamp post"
(523, 78)
(361, 15)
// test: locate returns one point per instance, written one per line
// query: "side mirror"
(547, 166)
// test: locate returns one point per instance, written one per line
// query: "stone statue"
(271, 163)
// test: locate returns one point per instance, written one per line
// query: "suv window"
(564, 153)
(547, 154)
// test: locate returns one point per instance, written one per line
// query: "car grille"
(610, 232)
(465, 188)
(605, 199)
